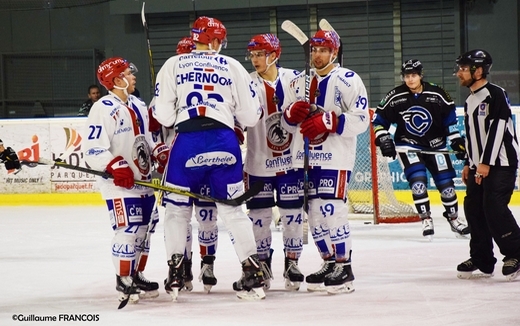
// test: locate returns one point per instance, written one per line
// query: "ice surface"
(56, 260)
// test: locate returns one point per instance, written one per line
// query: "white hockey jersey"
(115, 128)
(205, 83)
(343, 92)
(268, 144)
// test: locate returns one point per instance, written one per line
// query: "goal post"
(371, 191)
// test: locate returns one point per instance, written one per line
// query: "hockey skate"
(126, 288)
(251, 284)
(340, 280)
(265, 265)
(206, 273)
(292, 275)
(149, 290)
(315, 280)
(427, 228)
(175, 280)
(465, 271)
(188, 275)
(511, 269)
(461, 230)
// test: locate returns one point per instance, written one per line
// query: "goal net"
(371, 191)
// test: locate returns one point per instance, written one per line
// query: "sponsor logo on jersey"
(387, 97)
(208, 237)
(204, 76)
(278, 162)
(263, 243)
(342, 232)
(135, 213)
(397, 102)
(436, 142)
(211, 158)
(418, 188)
(119, 212)
(95, 151)
(315, 156)
(293, 243)
(278, 139)
(141, 155)
(418, 120)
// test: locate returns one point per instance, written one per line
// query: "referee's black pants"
(488, 215)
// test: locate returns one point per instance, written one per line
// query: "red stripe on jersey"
(142, 262)
(208, 87)
(209, 69)
(124, 267)
(119, 212)
(342, 184)
(269, 95)
(134, 121)
(203, 251)
(202, 111)
(314, 86)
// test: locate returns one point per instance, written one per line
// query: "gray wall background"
(48, 55)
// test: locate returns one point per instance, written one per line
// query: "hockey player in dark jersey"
(8, 157)
(424, 115)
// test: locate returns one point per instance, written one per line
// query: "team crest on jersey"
(278, 139)
(141, 155)
(417, 120)
(337, 96)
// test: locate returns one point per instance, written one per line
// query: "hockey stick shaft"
(150, 57)
(421, 151)
(255, 188)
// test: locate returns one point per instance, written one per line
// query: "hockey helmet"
(185, 45)
(329, 39)
(412, 66)
(266, 42)
(205, 29)
(112, 68)
(476, 58)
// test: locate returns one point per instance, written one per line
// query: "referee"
(490, 170)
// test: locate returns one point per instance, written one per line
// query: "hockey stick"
(254, 190)
(326, 26)
(150, 58)
(123, 303)
(421, 151)
(293, 30)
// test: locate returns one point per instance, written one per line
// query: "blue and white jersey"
(205, 84)
(343, 92)
(268, 143)
(115, 128)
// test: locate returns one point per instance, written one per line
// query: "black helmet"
(411, 66)
(476, 58)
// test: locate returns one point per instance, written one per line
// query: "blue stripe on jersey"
(193, 113)
(140, 117)
(197, 86)
(279, 93)
(320, 100)
(198, 69)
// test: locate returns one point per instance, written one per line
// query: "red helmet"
(329, 39)
(267, 42)
(110, 69)
(185, 45)
(205, 29)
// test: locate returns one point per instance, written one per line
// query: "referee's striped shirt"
(490, 132)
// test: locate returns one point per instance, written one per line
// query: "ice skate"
(292, 275)
(206, 273)
(149, 289)
(427, 228)
(265, 265)
(340, 280)
(252, 281)
(315, 280)
(461, 230)
(126, 289)
(175, 280)
(465, 271)
(511, 269)
(188, 275)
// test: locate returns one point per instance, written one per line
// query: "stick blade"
(143, 18)
(326, 26)
(295, 31)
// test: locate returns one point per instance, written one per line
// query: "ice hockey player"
(425, 116)
(119, 143)
(269, 143)
(332, 129)
(9, 158)
(200, 97)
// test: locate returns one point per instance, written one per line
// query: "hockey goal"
(371, 191)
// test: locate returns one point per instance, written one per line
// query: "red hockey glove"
(319, 123)
(153, 124)
(123, 175)
(160, 154)
(297, 112)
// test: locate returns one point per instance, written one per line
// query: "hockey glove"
(160, 155)
(319, 123)
(153, 124)
(123, 175)
(459, 145)
(297, 112)
(387, 146)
